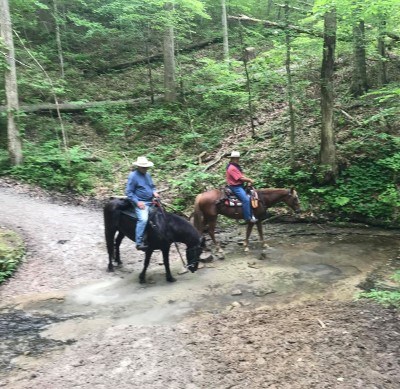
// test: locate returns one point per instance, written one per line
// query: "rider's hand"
(155, 194)
(141, 205)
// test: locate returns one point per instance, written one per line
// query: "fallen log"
(80, 106)
(155, 57)
(281, 26)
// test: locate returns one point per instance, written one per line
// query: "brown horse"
(208, 206)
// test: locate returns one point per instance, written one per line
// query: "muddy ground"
(284, 317)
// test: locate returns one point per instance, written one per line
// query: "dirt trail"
(219, 328)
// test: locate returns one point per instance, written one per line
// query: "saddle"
(128, 208)
(230, 200)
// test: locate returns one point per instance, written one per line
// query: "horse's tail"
(198, 217)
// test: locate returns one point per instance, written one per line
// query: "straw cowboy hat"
(143, 162)
(234, 154)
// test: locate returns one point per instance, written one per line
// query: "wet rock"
(262, 256)
(207, 259)
(263, 292)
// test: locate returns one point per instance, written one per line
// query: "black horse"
(162, 230)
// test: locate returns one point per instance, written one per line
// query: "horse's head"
(293, 200)
(193, 255)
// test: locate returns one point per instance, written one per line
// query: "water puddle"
(302, 263)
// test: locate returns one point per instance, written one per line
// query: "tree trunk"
(269, 7)
(58, 38)
(289, 86)
(149, 68)
(225, 31)
(382, 68)
(359, 82)
(169, 59)
(328, 148)
(14, 138)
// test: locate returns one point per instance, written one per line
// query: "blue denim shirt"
(139, 187)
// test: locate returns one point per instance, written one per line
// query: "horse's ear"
(292, 190)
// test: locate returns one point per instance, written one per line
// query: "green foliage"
(364, 189)
(275, 175)
(11, 253)
(388, 99)
(396, 276)
(384, 297)
(219, 87)
(52, 168)
(191, 182)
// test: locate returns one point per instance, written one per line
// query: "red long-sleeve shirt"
(233, 175)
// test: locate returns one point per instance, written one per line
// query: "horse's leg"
(110, 233)
(248, 232)
(142, 276)
(261, 235)
(165, 253)
(118, 241)
(211, 231)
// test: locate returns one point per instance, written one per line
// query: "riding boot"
(143, 245)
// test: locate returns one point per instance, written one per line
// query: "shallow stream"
(303, 263)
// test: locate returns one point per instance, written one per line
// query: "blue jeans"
(241, 194)
(143, 217)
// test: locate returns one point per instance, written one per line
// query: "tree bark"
(359, 82)
(13, 134)
(58, 38)
(382, 68)
(289, 86)
(225, 31)
(169, 59)
(328, 148)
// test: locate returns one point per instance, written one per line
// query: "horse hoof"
(171, 279)
(246, 249)
(110, 269)
(142, 280)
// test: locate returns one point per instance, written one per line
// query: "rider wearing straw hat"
(141, 191)
(235, 179)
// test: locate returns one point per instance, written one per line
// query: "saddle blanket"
(232, 202)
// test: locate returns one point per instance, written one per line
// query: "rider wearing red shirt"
(235, 179)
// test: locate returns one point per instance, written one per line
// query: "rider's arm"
(131, 188)
(247, 179)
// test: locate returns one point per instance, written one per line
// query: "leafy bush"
(11, 252)
(362, 189)
(52, 168)
(193, 181)
(219, 88)
(384, 297)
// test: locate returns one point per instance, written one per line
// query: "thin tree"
(359, 83)
(328, 148)
(13, 134)
(289, 84)
(169, 56)
(382, 67)
(56, 16)
(248, 82)
(225, 31)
